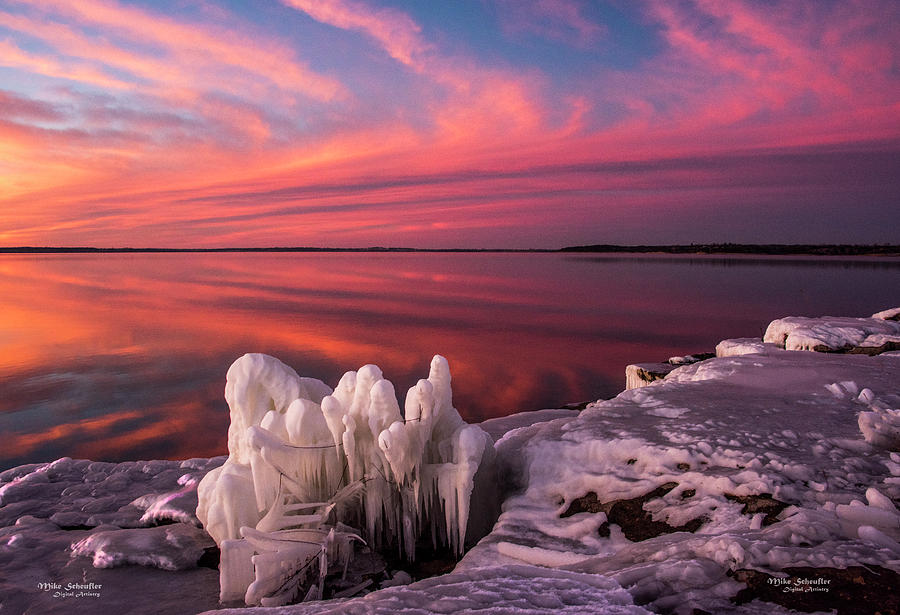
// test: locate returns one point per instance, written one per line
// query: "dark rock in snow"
(637, 524)
(762, 503)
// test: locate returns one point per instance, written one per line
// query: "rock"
(636, 523)
(762, 503)
(642, 374)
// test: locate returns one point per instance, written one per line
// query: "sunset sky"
(476, 123)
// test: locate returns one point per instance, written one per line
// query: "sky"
(472, 123)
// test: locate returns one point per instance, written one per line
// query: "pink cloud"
(393, 30)
(561, 21)
(175, 56)
(13, 106)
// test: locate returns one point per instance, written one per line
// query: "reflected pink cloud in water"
(124, 356)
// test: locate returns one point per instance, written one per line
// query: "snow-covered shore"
(762, 473)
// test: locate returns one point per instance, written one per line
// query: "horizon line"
(823, 249)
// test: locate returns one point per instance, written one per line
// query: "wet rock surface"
(762, 503)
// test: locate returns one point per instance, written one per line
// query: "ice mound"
(304, 456)
(879, 416)
(169, 547)
(880, 333)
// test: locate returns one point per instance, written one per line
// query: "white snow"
(499, 427)
(761, 458)
(891, 314)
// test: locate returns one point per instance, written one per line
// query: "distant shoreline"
(717, 248)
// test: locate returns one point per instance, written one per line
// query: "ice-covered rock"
(880, 333)
(640, 375)
(742, 346)
(304, 456)
(171, 547)
(891, 314)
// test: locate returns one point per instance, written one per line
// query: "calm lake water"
(115, 357)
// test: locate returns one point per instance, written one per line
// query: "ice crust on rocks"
(48, 509)
(302, 455)
(865, 335)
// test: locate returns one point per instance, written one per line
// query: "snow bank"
(891, 314)
(500, 426)
(741, 346)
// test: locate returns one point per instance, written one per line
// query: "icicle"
(333, 412)
(366, 378)
(235, 569)
(354, 459)
(346, 390)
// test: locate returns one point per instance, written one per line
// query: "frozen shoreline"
(762, 459)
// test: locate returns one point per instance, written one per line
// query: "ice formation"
(643, 374)
(303, 457)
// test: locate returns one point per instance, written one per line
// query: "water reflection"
(118, 356)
